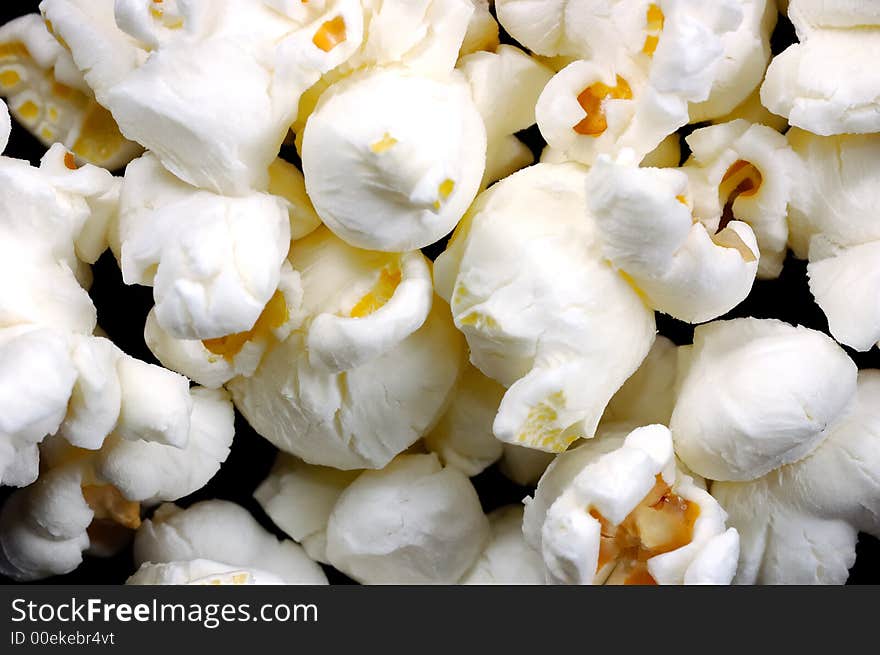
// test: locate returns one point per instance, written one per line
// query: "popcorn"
(540, 308)
(825, 83)
(524, 466)
(744, 172)
(800, 523)
(299, 499)
(482, 30)
(201, 532)
(758, 394)
(214, 261)
(463, 438)
(506, 559)
(414, 522)
(91, 499)
(648, 395)
(213, 362)
(628, 517)
(505, 86)
(634, 89)
(371, 368)
(417, 160)
(832, 223)
(50, 98)
(649, 233)
(152, 68)
(199, 572)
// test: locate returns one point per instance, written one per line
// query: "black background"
(122, 312)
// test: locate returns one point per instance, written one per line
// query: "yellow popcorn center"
(14, 50)
(385, 143)
(274, 315)
(28, 111)
(539, 428)
(99, 139)
(330, 34)
(108, 504)
(654, 26)
(592, 100)
(662, 522)
(9, 78)
(47, 134)
(381, 293)
(741, 179)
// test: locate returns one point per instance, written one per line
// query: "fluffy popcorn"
(506, 558)
(371, 368)
(213, 362)
(403, 176)
(505, 86)
(199, 572)
(213, 261)
(744, 172)
(649, 233)
(152, 68)
(648, 395)
(299, 499)
(463, 438)
(482, 30)
(833, 223)
(753, 111)
(626, 516)
(756, 394)
(202, 532)
(625, 96)
(522, 465)
(741, 69)
(825, 83)
(540, 308)
(50, 98)
(413, 522)
(800, 523)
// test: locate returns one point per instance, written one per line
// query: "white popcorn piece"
(463, 437)
(635, 90)
(202, 531)
(757, 394)
(752, 110)
(414, 522)
(524, 466)
(213, 362)
(629, 517)
(800, 523)
(89, 500)
(214, 261)
(482, 30)
(825, 84)
(370, 370)
(299, 499)
(744, 172)
(506, 558)
(403, 176)
(505, 86)
(741, 69)
(152, 66)
(541, 309)
(832, 223)
(199, 572)
(666, 155)
(50, 98)
(648, 395)
(648, 231)
(286, 181)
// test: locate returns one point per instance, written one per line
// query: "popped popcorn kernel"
(381, 293)
(273, 316)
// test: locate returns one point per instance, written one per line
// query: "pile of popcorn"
(298, 295)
